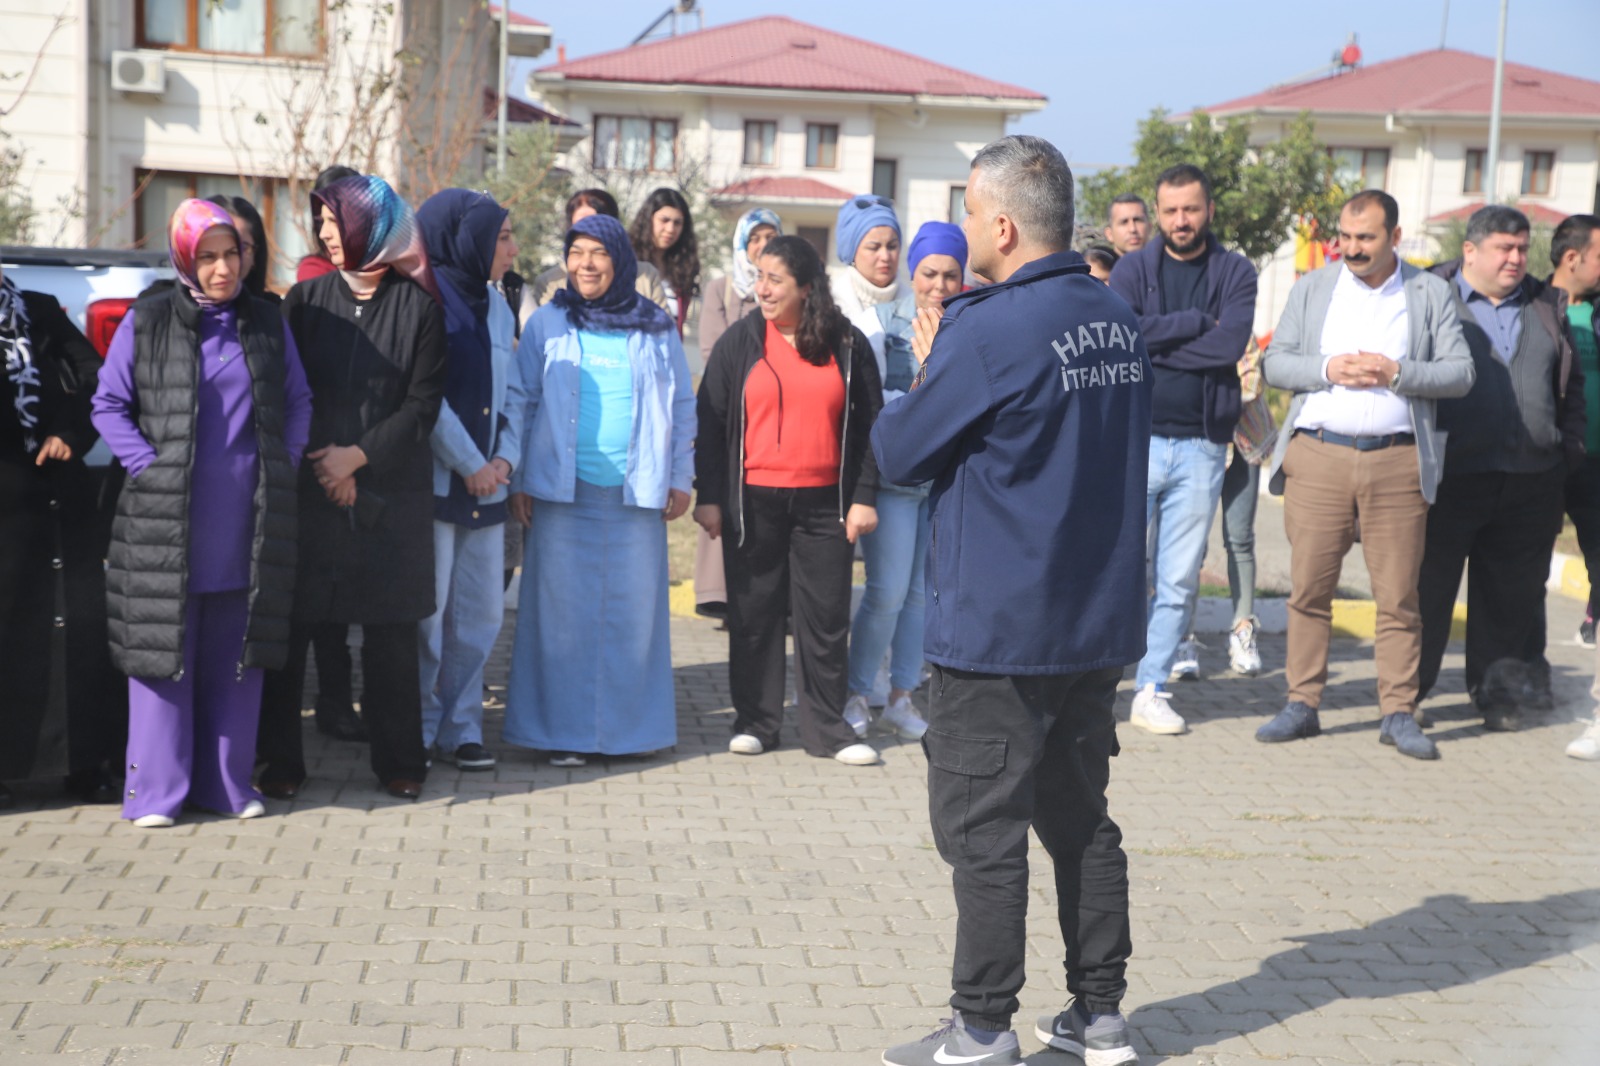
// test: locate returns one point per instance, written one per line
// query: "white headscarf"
(744, 271)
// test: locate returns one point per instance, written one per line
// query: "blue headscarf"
(859, 214)
(619, 308)
(937, 238)
(743, 278)
(460, 230)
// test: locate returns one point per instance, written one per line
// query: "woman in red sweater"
(786, 478)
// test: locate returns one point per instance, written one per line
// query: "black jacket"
(147, 567)
(719, 447)
(376, 369)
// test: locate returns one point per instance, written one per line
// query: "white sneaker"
(902, 717)
(1186, 667)
(879, 696)
(154, 821)
(1587, 746)
(1152, 711)
(1242, 653)
(253, 809)
(858, 755)
(745, 744)
(857, 716)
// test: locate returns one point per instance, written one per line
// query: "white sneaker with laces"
(1186, 667)
(1152, 712)
(902, 717)
(857, 716)
(858, 755)
(1242, 653)
(745, 744)
(1587, 746)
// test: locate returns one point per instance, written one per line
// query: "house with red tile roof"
(775, 112)
(1418, 127)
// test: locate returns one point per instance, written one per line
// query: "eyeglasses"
(863, 203)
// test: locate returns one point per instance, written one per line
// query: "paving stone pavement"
(1324, 902)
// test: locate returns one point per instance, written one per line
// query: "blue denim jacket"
(661, 447)
(454, 451)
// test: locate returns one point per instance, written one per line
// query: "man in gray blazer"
(1367, 344)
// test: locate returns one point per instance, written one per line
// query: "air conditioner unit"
(139, 72)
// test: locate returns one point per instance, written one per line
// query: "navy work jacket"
(1033, 424)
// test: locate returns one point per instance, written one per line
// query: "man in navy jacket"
(1196, 305)
(1031, 416)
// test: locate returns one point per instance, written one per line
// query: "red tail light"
(103, 318)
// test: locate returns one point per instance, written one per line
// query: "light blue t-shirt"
(605, 408)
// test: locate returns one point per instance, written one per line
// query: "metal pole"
(1493, 163)
(500, 115)
(1444, 25)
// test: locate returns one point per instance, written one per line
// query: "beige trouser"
(1328, 488)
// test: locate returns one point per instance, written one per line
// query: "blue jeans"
(454, 644)
(1185, 482)
(891, 616)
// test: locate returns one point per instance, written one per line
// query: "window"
(822, 145)
(958, 204)
(1473, 181)
(760, 144)
(884, 174)
(1360, 168)
(1537, 168)
(243, 27)
(164, 190)
(817, 237)
(635, 143)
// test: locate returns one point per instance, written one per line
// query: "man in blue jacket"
(1031, 416)
(1196, 305)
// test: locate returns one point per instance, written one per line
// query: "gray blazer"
(1438, 365)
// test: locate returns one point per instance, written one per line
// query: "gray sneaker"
(954, 1044)
(1100, 1042)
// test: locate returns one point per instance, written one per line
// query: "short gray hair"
(1495, 218)
(1028, 180)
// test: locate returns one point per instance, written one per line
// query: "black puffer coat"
(147, 568)
(376, 369)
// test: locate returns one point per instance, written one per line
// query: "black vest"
(148, 567)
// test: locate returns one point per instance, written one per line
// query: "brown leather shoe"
(279, 790)
(404, 788)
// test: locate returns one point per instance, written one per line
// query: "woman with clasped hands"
(787, 479)
(609, 427)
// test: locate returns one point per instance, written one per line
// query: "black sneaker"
(1100, 1042)
(473, 757)
(1586, 633)
(954, 1043)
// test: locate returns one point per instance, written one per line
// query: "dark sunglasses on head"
(864, 202)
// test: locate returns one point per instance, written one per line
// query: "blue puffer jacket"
(1034, 425)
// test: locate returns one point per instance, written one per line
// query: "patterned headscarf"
(620, 307)
(16, 346)
(376, 228)
(190, 222)
(743, 278)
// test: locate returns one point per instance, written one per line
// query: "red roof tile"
(519, 20)
(1442, 81)
(1538, 214)
(775, 52)
(783, 189)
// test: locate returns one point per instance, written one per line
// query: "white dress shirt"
(1361, 319)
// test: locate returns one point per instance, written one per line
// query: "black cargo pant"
(391, 706)
(794, 563)
(1004, 753)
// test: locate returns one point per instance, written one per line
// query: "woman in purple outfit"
(202, 398)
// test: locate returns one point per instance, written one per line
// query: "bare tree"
(17, 212)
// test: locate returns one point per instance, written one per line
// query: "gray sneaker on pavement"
(954, 1044)
(1099, 1040)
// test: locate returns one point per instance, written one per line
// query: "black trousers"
(330, 644)
(1583, 507)
(391, 706)
(795, 561)
(1004, 753)
(1503, 528)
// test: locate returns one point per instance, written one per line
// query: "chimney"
(561, 53)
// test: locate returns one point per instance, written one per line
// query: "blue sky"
(1104, 65)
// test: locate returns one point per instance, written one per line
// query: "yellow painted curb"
(1359, 619)
(680, 599)
(1573, 579)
